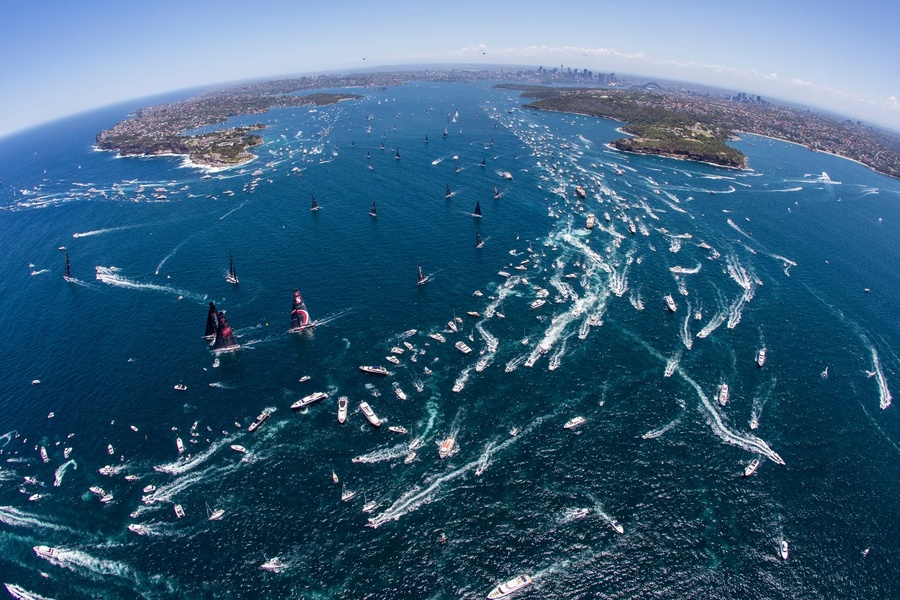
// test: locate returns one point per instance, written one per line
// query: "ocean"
(797, 255)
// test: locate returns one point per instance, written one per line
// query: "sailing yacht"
(214, 515)
(421, 277)
(397, 154)
(447, 192)
(315, 205)
(67, 275)
(224, 341)
(477, 212)
(211, 322)
(496, 193)
(373, 212)
(479, 243)
(346, 494)
(231, 277)
(299, 315)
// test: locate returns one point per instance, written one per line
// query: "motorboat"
(462, 347)
(138, 529)
(260, 419)
(437, 337)
(670, 302)
(274, 565)
(392, 359)
(513, 585)
(373, 370)
(238, 448)
(369, 414)
(179, 444)
(47, 552)
(180, 387)
(398, 429)
(409, 458)
(369, 506)
(446, 447)
(342, 409)
(149, 489)
(573, 423)
(722, 394)
(751, 468)
(398, 392)
(346, 494)
(310, 399)
(617, 526)
(760, 357)
(179, 512)
(784, 549)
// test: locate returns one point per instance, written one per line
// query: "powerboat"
(784, 549)
(237, 448)
(373, 370)
(274, 565)
(138, 529)
(310, 399)
(573, 423)
(513, 585)
(342, 409)
(750, 469)
(370, 414)
(760, 357)
(446, 447)
(462, 347)
(179, 512)
(722, 394)
(262, 418)
(47, 552)
(670, 302)
(398, 429)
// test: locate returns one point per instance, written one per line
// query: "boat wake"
(17, 518)
(111, 276)
(61, 470)
(759, 402)
(76, 560)
(22, 594)
(102, 231)
(655, 433)
(234, 209)
(883, 392)
(672, 363)
(382, 454)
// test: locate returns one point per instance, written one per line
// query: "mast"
(482, 162)
(421, 277)
(397, 155)
(315, 205)
(232, 274)
(224, 336)
(299, 314)
(447, 192)
(426, 138)
(477, 212)
(211, 322)
(67, 275)
(373, 212)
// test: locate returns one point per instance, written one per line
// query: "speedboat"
(110, 449)
(722, 394)
(392, 359)
(580, 191)
(47, 552)
(398, 429)
(538, 303)
(96, 489)
(346, 494)
(591, 220)
(238, 448)
(514, 431)
(369, 506)
(106, 498)
(670, 302)
(505, 589)
(373, 370)
(398, 392)
(437, 337)
(342, 409)
(179, 512)
(462, 347)
(138, 529)
(446, 447)
(216, 515)
(44, 456)
(416, 443)
(618, 527)
(274, 565)
(179, 444)
(180, 387)
(370, 414)
(760, 357)
(573, 423)
(473, 313)
(784, 549)
(750, 469)
(397, 350)
(149, 489)
(310, 399)
(107, 470)
(262, 418)
(409, 458)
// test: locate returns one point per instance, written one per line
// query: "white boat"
(397, 350)
(722, 394)
(416, 443)
(238, 448)
(180, 387)
(346, 494)
(138, 529)
(260, 419)
(96, 489)
(514, 431)
(513, 585)
(66, 452)
(106, 498)
(44, 456)
(421, 277)
(179, 512)
(373, 370)
(107, 470)
(462, 347)
(409, 458)
(573, 423)
(784, 549)
(503, 273)
(581, 193)
(274, 565)
(179, 444)
(617, 526)
(149, 489)
(110, 449)
(437, 337)
(310, 399)
(214, 515)
(304, 378)
(334, 477)
(131, 478)
(398, 429)
(369, 414)
(392, 359)
(398, 392)
(342, 409)
(409, 346)
(446, 447)
(506, 175)
(761, 357)
(47, 552)
(451, 325)
(591, 221)
(670, 302)
(35, 497)
(369, 506)
(750, 469)
(538, 303)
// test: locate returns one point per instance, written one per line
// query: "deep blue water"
(786, 258)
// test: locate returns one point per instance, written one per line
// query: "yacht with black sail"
(299, 315)
(212, 322)
(231, 277)
(315, 205)
(372, 211)
(67, 274)
(224, 341)
(477, 212)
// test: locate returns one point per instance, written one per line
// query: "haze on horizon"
(67, 58)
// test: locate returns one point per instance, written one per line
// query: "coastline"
(186, 161)
(853, 160)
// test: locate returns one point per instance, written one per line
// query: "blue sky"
(59, 58)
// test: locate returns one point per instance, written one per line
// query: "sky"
(59, 58)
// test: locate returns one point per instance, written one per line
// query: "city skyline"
(833, 56)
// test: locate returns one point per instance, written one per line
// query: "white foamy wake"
(883, 391)
(102, 231)
(110, 276)
(716, 320)
(672, 363)
(382, 454)
(18, 518)
(21, 593)
(738, 229)
(736, 310)
(738, 273)
(76, 560)
(489, 339)
(686, 338)
(655, 433)
(61, 470)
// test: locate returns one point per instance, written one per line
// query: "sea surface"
(798, 254)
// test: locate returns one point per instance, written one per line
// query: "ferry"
(262, 418)
(370, 414)
(437, 337)
(784, 549)
(462, 347)
(722, 394)
(310, 399)
(505, 589)
(591, 221)
(750, 469)
(670, 302)
(446, 447)
(47, 552)
(573, 423)
(760, 357)
(179, 512)
(138, 529)
(237, 448)
(373, 370)
(342, 409)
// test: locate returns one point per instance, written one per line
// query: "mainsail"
(447, 192)
(373, 212)
(224, 336)
(315, 205)
(211, 322)
(477, 212)
(299, 314)
(68, 274)
(232, 274)
(421, 277)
